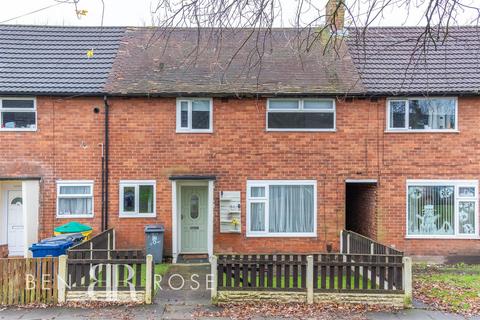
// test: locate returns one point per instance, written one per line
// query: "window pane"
(200, 114)
(129, 199)
(301, 120)
(397, 114)
(318, 104)
(194, 207)
(18, 120)
(291, 208)
(184, 114)
(71, 206)
(283, 104)
(146, 199)
(257, 216)
(75, 190)
(466, 217)
(431, 210)
(257, 192)
(432, 114)
(6, 103)
(466, 191)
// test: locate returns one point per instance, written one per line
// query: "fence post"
(214, 273)
(62, 278)
(348, 243)
(372, 248)
(407, 281)
(149, 280)
(341, 241)
(310, 279)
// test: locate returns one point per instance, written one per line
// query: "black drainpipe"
(105, 166)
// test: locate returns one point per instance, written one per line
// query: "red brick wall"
(3, 251)
(65, 147)
(144, 145)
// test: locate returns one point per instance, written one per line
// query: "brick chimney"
(335, 15)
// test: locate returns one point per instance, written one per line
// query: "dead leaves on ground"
(329, 311)
(442, 288)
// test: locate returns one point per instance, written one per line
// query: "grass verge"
(453, 288)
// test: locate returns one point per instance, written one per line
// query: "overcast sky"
(138, 13)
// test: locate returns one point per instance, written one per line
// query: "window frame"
(76, 183)
(407, 113)
(2, 110)
(302, 110)
(456, 184)
(189, 129)
(136, 184)
(266, 184)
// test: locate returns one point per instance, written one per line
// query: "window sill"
(75, 216)
(421, 131)
(194, 131)
(137, 215)
(301, 130)
(440, 237)
(281, 235)
(18, 130)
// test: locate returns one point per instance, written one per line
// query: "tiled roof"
(53, 60)
(391, 61)
(166, 62)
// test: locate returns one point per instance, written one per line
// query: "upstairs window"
(137, 199)
(18, 114)
(301, 115)
(422, 114)
(194, 115)
(442, 209)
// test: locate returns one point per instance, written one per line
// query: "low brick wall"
(4, 251)
(119, 296)
(260, 296)
(393, 300)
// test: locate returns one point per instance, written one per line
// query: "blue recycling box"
(51, 248)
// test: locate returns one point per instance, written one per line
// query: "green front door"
(194, 210)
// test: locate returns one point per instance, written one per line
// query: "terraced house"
(239, 151)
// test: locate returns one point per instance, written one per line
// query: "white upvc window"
(300, 114)
(137, 198)
(442, 209)
(422, 115)
(195, 115)
(18, 114)
(75, 199)
(281, 208)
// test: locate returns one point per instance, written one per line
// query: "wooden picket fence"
(28, 281)
(331, 272)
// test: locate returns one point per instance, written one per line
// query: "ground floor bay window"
(442, 209)
(281, 208)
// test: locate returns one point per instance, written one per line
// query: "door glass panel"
(129, 199)
(194, 207)
(17, 201)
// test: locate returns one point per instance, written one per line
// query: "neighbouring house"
(268, 149)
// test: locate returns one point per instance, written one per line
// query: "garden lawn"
(454, 288)
(283, 285)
